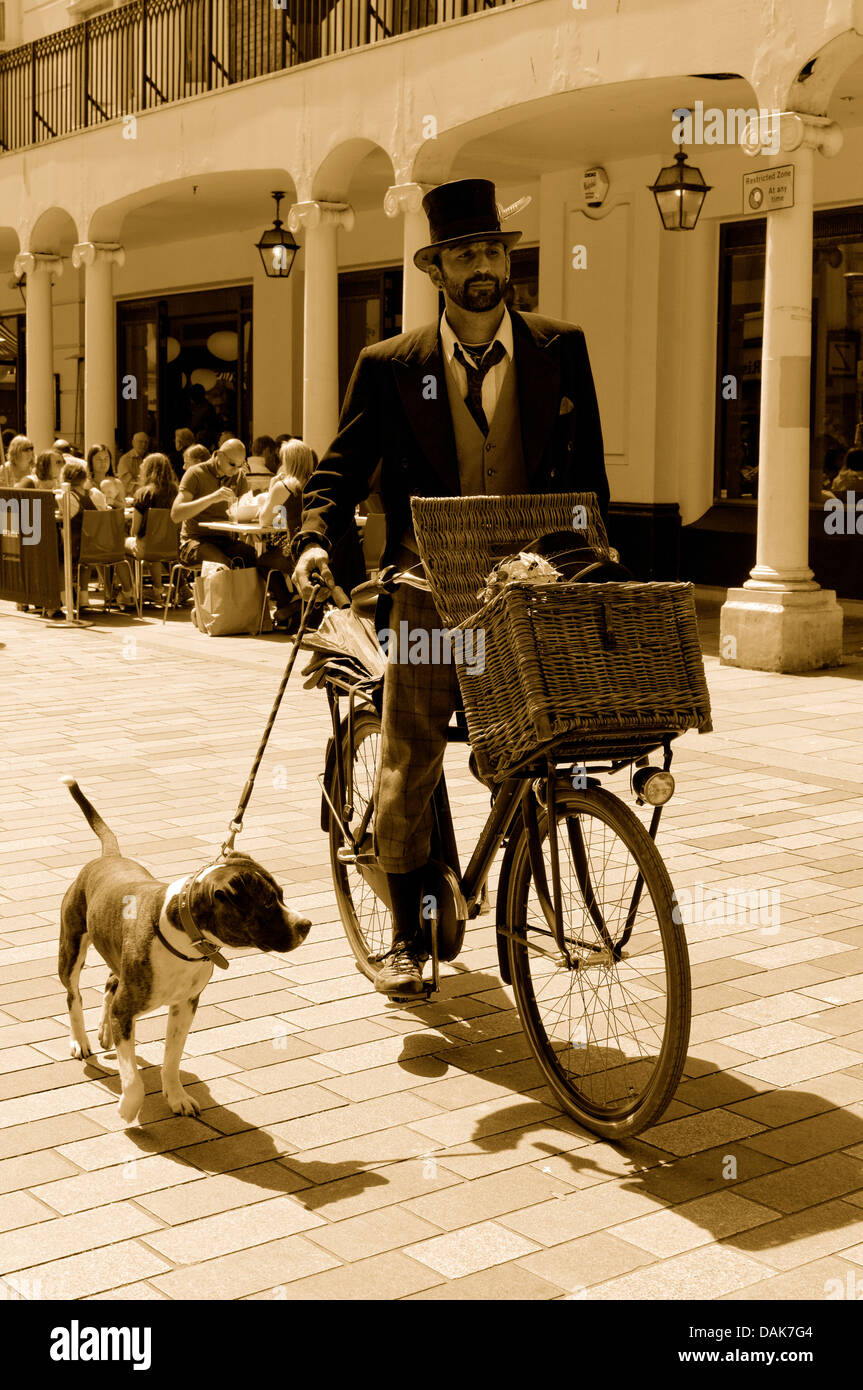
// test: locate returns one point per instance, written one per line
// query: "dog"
(160, 942)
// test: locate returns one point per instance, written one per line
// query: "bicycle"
(586, 928)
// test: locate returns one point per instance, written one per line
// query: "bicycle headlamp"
(653, 785)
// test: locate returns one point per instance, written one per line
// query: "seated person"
(850, 475)
(282, 507)
(195, 453)
(129, 465)
(262, 463)
(19, 461)
(183, 440)
(158, 489)
(100, 471)
(46, 471)
(205, 495)
(74, 481)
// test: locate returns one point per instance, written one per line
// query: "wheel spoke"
(365, 917)
(609, 1030)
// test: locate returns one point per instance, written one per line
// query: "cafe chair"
(160, 544)
(103, 547)
(179, 570)
(270, 573)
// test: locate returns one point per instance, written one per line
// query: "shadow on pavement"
(791, 1182)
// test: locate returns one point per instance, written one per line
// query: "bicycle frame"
(503, 812)
(518, 794)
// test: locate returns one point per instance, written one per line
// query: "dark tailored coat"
(396, 413)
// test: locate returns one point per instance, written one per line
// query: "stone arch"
(782, 81)
(53, 231)
(199, 204)
(358, 161)
(10, 245)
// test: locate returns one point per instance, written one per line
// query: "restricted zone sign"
(766, 190)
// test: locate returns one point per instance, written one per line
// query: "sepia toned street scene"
(347, 1148)
(431, 643)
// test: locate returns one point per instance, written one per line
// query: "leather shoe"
(401, 971)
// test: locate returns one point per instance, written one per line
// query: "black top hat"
(465, 210)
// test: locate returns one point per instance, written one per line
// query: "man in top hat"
(487, 400)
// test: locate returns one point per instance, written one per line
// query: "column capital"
(405, 197)
(315, 213)
(35, 262)
(97, 252)
(773, 132)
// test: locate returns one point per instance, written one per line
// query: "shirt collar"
(503, 335)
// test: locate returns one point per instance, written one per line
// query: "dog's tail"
(110, 843)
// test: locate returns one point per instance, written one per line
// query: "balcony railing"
(151, 52)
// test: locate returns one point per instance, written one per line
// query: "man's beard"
(473, 294)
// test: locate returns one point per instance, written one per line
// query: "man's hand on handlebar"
(312, 571)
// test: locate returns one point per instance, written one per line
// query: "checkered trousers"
(419, 700)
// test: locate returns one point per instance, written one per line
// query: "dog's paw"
(80, 1051)
(182, 1103)
(129, 1108)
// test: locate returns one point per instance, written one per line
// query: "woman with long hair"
(282, 508)
(158, 488)
(100, 472)
(46, 471)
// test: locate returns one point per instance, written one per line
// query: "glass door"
(185, 363)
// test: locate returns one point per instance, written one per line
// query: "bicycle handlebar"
(337, 595)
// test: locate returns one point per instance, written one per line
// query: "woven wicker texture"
(586, 670)
(461, 539)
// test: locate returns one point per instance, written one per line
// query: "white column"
(419, 296)
(100, 341)
(320, 222)
(781, 620)
(40, 345)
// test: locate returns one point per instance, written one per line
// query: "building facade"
(140, 145)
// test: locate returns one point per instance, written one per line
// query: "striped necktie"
(475, 376)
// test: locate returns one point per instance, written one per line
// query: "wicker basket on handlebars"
(461, 539)
(581, 670)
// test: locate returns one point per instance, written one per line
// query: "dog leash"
(341, 599)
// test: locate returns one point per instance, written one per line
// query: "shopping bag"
(229, 602)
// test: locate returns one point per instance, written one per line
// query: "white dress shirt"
(493, 380)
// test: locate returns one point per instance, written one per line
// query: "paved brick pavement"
(349, 1149)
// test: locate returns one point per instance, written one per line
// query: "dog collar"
(209, 949)
(192, 960)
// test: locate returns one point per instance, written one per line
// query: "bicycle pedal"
(423, 998)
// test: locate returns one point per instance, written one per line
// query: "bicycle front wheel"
(365, 917)
(610, 1034)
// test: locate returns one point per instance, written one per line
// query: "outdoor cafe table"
(250, 530)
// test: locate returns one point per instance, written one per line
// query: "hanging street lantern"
(277, 247)
(679, 191)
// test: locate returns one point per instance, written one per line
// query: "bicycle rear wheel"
(365, 917)
(610, 1035)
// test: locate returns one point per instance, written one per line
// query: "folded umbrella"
(343, 633)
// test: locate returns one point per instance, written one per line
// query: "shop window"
(836, 381)
(523, 291)
(185, 362)
(12, 374)
(370, 309)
